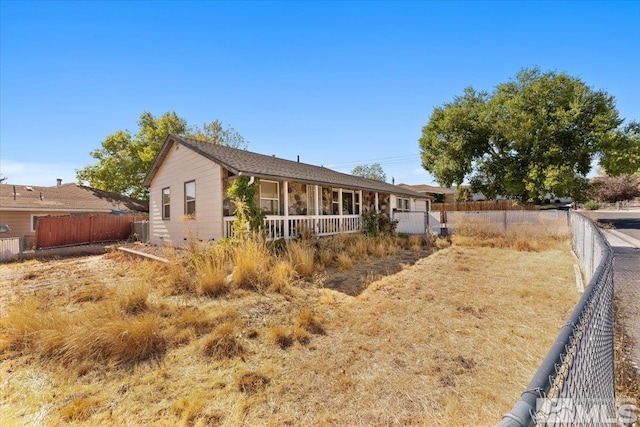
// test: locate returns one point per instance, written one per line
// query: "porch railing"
(282, 227)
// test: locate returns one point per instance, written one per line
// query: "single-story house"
(22, 205)
(188, 183)
(447, 195)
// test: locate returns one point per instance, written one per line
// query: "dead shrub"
(223, 343)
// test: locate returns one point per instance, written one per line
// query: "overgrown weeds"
(116, 330)
(523, 237)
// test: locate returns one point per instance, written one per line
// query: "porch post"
(340, 208)
(360, 206)
(285, 186)
(376, 203)
(316, 210)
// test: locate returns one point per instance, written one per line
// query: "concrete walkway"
(626, 279)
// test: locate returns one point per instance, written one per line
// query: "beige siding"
(183, 165)
(20, 224)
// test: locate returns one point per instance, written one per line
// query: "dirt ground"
(408, 339)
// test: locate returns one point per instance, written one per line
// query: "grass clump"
(309, 322)
(282, 275)
(301, 257)
(344, 262)
(79, 409)
(223, 343)
(133, 298)
(251, 264)
(251, 382)
(281, 336)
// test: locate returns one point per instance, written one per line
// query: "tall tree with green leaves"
(124, 159)
(373, 171)
(533, 135)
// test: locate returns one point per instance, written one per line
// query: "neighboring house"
(447, 194)
(22, 205)
(189, 179)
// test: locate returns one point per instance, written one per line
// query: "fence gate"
(410, 222)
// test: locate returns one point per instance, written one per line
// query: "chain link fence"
(575, 384)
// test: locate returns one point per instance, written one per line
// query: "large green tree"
(124, 158)
(373, 171)
(533, 135)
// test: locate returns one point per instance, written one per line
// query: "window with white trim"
(348, 202)
(270, 197)
(190, 198)
(166, 203)
(402, 204)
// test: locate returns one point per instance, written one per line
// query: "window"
(335, 203)
(270, 197)
(166, 203)
(402, 204)
(347, 202)
(190, 198)
(357, 204)
(34, 221)
(311, 199)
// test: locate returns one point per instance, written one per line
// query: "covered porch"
(293, 208)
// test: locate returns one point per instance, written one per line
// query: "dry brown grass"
(301, 257)
(116, 331)
(525, 237)
(251, 261)
(223, 343)
(420, 347)
(281, 336)
(282, 275)
(308, 321)
(344, 262)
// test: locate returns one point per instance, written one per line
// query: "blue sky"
(338, 83)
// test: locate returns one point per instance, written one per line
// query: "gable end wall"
(179, 166)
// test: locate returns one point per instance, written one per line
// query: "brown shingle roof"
(242, 162)
(71, 197)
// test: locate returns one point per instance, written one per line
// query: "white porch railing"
(281, 227)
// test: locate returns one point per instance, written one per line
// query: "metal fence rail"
(575, 383)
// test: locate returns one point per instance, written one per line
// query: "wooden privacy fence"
(492, 205)
(65, 231)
